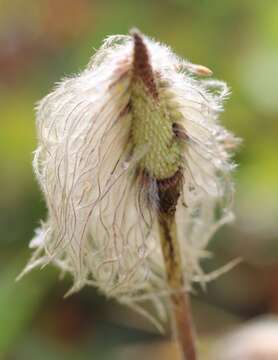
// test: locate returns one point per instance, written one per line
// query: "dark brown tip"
(141, 63)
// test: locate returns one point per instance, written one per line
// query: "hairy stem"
(180, 303)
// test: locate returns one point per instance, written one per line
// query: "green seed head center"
(152, 126)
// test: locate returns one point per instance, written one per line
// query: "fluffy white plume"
(100, 228)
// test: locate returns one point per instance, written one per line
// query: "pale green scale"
(152, 126)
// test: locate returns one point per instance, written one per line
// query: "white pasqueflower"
(137, 120)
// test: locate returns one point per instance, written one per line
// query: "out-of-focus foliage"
(42, 41)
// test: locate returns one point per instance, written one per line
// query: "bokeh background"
(44, 40)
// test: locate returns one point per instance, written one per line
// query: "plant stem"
(180, 302)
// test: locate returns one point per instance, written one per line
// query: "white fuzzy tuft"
(98, 227)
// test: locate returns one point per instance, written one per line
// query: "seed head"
(133, 135)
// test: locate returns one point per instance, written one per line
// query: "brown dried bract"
(169, 192)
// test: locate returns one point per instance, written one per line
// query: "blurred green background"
(44, 40)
